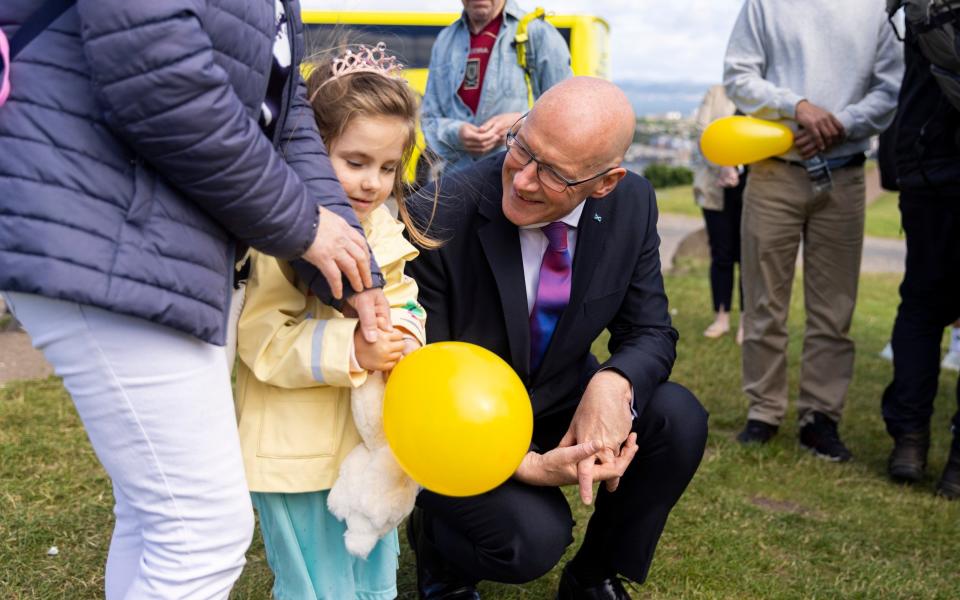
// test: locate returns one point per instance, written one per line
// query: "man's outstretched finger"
(612, 484)
(627, 452)
(585, 479)
(568, 439)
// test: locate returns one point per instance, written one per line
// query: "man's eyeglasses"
(546, 174)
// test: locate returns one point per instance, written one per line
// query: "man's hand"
(383, 353)
(339, 249)
(806, 144)
(500, 125)
(477, 141)
(820, 129)
(371, 307)
(729, 177)
(604, 415)
(559, 466)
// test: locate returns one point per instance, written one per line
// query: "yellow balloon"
(732, 141)
(457, 418)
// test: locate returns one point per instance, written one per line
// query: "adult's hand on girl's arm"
(372, 308)
(337, 249)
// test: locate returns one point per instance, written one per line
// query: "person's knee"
(242, 524)
(684, 418)
(531, 547)
(226, 536)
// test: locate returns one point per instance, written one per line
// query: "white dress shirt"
(533, 245)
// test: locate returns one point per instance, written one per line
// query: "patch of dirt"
(780, 506)
(18, 359)
(694, 245)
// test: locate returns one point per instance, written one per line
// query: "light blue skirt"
(305, 549)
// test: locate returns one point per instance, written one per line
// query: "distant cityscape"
(665, 130)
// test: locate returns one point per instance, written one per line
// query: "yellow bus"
(410, 35)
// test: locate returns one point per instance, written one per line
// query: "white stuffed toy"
(372, 494)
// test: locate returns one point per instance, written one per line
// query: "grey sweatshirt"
(841, 55)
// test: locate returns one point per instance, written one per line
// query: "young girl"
(300, 358)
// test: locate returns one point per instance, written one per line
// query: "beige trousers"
(780, 211)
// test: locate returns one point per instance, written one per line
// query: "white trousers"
(158, 409)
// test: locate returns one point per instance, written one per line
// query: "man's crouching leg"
(512, 534)
(623, 533)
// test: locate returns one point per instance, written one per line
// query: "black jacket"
(473, 287)
(928, 130)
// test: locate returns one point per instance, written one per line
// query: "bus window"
(410, 43)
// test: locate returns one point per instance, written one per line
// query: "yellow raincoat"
(294, 377)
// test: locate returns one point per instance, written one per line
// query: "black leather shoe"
(949, 485)
(908, 459)
(757, 432)
(435, 580)
(609, 589)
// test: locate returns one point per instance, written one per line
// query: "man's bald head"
(588, 117)
(575, 138)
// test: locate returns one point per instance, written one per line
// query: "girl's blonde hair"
(337, 100)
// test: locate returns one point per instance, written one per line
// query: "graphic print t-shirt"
(481, 45)
(279, 72)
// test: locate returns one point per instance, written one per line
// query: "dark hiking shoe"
(908, 459)
(757, 432)
(435, 580)
(820, 437)
(949, 485)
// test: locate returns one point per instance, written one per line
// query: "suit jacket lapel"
(501, 244)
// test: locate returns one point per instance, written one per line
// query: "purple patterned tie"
(553, 292)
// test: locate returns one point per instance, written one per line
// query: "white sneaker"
(887, 352)
(951, 360)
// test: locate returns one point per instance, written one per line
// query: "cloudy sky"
(650, 40)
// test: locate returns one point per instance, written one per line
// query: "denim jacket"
(504, 88)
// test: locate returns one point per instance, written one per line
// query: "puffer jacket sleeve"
(305, 151)
(154, 73)
(284, 346)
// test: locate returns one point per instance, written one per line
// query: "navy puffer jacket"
(131, 160)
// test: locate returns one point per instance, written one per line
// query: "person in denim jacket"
(474, 60)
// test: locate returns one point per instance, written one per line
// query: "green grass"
(769, 522)
(678, 200)
(882, 220)
(883, 217)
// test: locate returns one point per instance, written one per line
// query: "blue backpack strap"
(37, 23)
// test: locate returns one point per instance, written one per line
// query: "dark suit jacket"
(473, 288)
